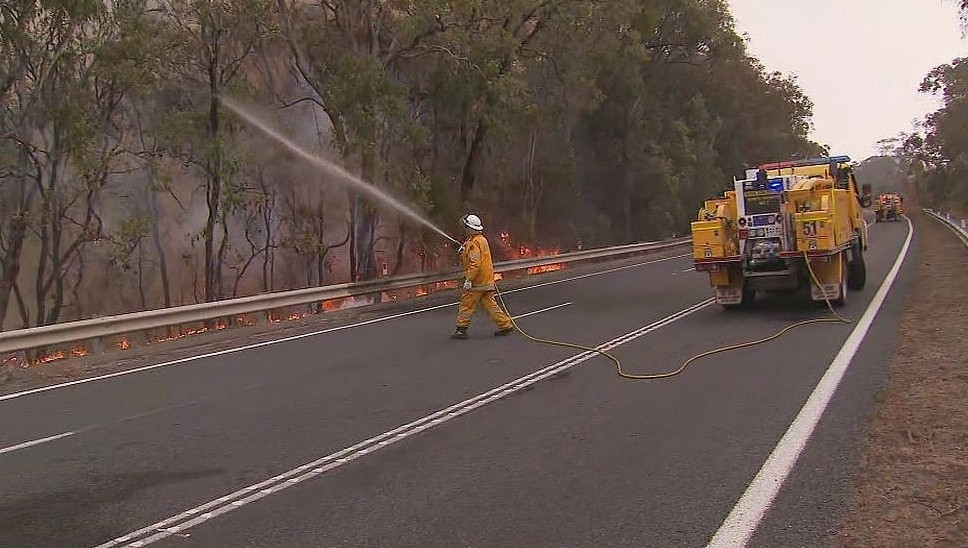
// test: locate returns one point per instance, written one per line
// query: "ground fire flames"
(514, 250)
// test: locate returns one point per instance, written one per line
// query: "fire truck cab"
(761, 235)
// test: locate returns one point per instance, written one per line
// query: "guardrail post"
(96, 346)
(963, 225)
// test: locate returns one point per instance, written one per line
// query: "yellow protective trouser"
(468, 304)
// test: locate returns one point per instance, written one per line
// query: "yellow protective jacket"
(478, 267)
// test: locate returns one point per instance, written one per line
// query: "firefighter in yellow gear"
(478, 282)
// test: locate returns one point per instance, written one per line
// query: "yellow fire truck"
(759, 236)
(888, 207)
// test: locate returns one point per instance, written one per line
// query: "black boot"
(461, 333)
(504, 332)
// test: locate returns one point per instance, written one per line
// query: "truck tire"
(748, 297)
(841, 299)
(857, 269)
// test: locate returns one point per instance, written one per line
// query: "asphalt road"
(581, 458)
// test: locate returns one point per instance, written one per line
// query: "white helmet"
(473, 222)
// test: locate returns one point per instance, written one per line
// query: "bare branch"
(313, 100)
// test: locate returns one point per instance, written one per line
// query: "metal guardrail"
(960, 228)
(97, 328)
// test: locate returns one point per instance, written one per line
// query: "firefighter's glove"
(467, 285)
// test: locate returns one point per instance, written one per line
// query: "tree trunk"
(80, 311)
(21, 305)
(267, 249)
(354, 209)
(628, 181)
(321, 265)
(469, 172)
(159, 248)
(141, 277)
(56, 270)
(39, 293)
(401, 247)
(220, 256)
(11, 263)
(366, 220)
(211, 266)
(365, 240)
(213, 272)
(531, 196)
(267, 269)
(627, 184)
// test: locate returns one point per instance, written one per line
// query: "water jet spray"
(331, 167)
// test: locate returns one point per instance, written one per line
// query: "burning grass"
(546, 268)
(514, 250)
(10, 361)
(50, 357)
(294, 316)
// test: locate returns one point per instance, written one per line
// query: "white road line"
(227, 503)
(310, 334)
(27, 444)
(745, 517)
(547, 309)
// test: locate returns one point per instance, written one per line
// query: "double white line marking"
(200, 514)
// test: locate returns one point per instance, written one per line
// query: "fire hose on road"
(833, 318)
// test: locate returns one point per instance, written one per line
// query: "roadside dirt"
(15, 376)
(911, 484)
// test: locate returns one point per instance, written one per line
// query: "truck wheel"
(748, 297)
(857, 270)
(841, 299)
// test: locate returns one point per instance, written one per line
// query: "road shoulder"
(909, 485)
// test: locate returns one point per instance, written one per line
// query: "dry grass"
(912, 481)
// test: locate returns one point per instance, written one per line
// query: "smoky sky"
(860, 61)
